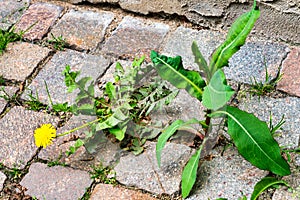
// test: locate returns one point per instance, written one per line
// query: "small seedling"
(7, 37)
(103, 174)
(269, 84)
(58, 43)
(34, 103)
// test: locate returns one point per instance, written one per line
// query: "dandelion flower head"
(44, 135)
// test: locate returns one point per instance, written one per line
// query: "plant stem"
(77, 128)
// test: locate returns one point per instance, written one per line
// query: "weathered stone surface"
(279, 19)
(289, 135)
(226, 176)
(2, 180)
(290, 82)
(6, 91)
(11, 11)
(252, 59)
(38, 19)
(83, 29)
(55, 182)
(20, 59)
(142, 171)
(104, 192)
(180, 43)
(16, 133)
(283, 194)
(135, 37)
(88, 65)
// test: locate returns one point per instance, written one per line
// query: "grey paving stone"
(55, 182)
(105, 191)
(180, 42)
(135, 37)
(2, 180)
(142, 171)
(20, 59)
(6, 91)
(83, 29)
(226, 176)
(11, 11)
(250, 61)
(89, 65)
(16, 133)
(37, 20)
(290, 82)
(289, 107)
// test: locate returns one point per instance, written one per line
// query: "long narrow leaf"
(167, 133)
(200, 60)
(254, 141)
(264, 184)
(171, 69)
(235, 38)
(189, 173)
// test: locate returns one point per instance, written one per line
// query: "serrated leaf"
(254, 141)
(217, 93)
(189, 173)
(86, 109)
(264, 184)
(235, 38)
(200, 60)
(117, 117)
(167, 133)
(171, 69)
(110, 90)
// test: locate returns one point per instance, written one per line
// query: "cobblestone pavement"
(97, 37)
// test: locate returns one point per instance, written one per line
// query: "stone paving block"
(180, 44)
(20, 59)
(60, 183)
(7, 91)
(226, 177)
(110, 192)
(11, 11)
(135, 37)
(16, 133)
(289, 107)
(89, 65)
(38, 18)
(2, 180)
(142, 171)
(83, 29)
(250, 61)
(283, 194)
(290, 82)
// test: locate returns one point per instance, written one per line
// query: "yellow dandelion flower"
(44, 135)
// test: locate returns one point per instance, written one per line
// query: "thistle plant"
(251, 136)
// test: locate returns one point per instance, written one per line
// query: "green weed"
(103, 174)
(58, 43)
(7, 37)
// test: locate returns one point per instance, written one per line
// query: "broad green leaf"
(254, 141)
(217, 93)
(189, 173)
(70, 78)
(110, 90)
(264, 184)
(118, 132)
(235, 38)
(85, 109)
(167, 133)
(171, 69)
(200, 60)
